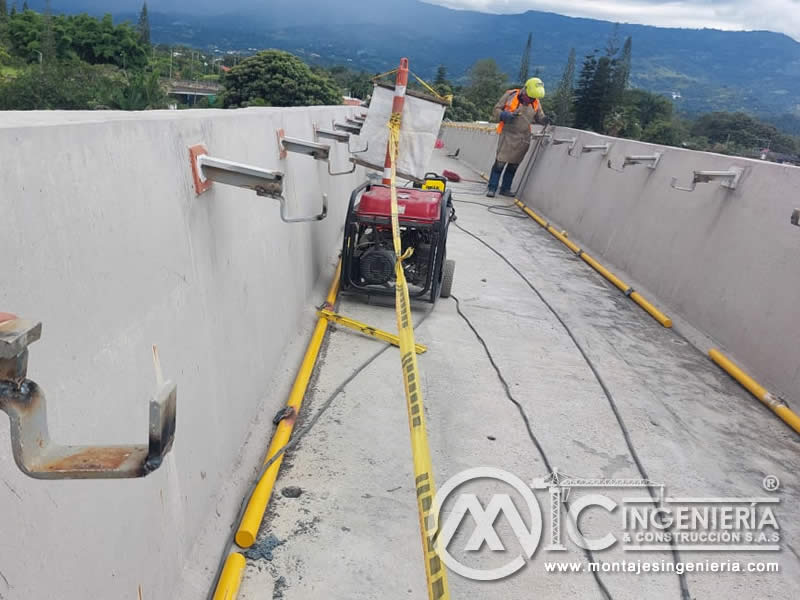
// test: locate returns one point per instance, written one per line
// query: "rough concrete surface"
(353, 532)
(724, 261)
(105, 241)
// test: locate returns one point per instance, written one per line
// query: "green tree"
(649, 107)
(462, 110)
(143, 92)
(621, 72)
(487, 84)
(740, 133)
(441, 76)
(584, 100)
(562, 99)
(13, 9)
(75, 86)
(526, 60)
(277, 78)
(623, 121)
(25, 6)
(667, 133)
(3, 11)
(143, 27)
(612, 45)
(48, 39)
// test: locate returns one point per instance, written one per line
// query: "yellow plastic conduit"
(257, 505)
(777, 405)
(231, 578)
(624, 287)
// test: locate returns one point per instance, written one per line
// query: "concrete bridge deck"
(353, 532)
(106, 241)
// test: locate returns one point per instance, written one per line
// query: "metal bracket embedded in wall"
(649, 160)
(360, 118)
(795, 219)
(338, 136)
(264, 182)
(729, 179)
(313, 149)
(35, 454)
(604, 148)
(347, 128)
(354, 122)
(571, 141)
(544, 138)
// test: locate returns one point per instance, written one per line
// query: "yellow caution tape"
(448, 98)
(435, 573)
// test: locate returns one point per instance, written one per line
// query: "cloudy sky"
(773, 15)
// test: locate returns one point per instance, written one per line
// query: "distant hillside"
(757, 72)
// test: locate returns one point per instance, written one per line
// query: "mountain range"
(754, 71)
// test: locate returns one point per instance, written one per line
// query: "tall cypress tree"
(3, 10)
(601, 93)
(144, 26)
(25, 6)
(48, 37)
(564, 92)
(622, 72)
(13, 8)
(441, 75)
(584, 102)
(524, 64)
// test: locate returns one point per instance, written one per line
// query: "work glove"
(507, 116)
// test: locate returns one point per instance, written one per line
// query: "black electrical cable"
(531, 435)
(502, 210)
(685, 594)
(294, 441)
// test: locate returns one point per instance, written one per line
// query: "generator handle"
(355, 194)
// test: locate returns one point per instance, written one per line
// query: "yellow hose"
(751, 385)
(561, 236)
(231, 577)
(257, 505)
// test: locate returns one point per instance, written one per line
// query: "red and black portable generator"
(368, 257)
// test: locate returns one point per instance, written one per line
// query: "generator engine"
(368, 257)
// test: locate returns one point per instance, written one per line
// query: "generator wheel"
(448, 271)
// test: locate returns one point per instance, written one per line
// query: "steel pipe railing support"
(603, 148)
(264, 182)
(339, 137)
(795, 218)
(315, 150)
(347, 128)
(37, 456)
(649, 160)
(730, 179)
(571, 141)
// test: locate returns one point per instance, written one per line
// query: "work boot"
(508, 193)
(490, 193)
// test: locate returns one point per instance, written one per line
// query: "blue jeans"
(508, 177)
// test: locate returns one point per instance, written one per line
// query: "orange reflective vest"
(513, 104)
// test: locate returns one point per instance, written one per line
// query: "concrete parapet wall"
(727, 262)
(104, 241)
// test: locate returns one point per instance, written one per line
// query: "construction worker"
(514, 113)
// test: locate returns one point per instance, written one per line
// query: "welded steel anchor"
(34, 452)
